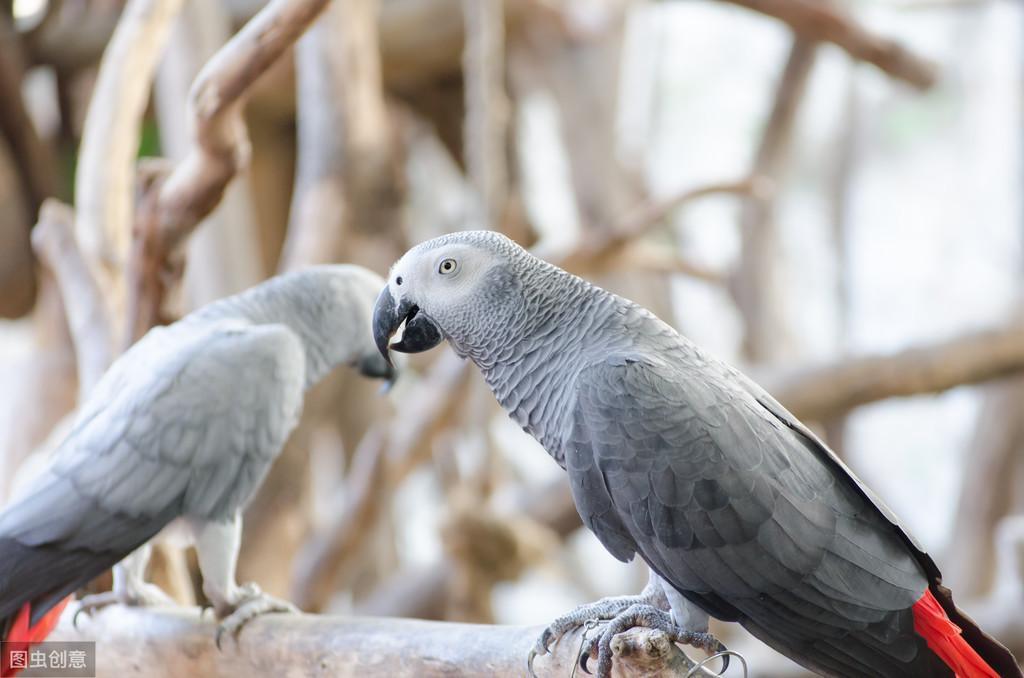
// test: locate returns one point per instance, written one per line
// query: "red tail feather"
(944, 639)
(21, 636)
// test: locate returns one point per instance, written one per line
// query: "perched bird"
(182, 428)
(738, 509)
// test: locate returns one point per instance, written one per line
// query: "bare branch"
(487, 107)
(33, 157)
(223, 255)
(179, 198)
(755, 286)
(105, 178)
(87, 311)
(177, 642)
(816, 393)
(604, 251)
(817, 20)
(986, 487)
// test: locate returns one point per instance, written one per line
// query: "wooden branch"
(755, 285)
(87, 313)
(606, 250)
(34, 158)
(180, 197)
(39, 390)
(177, 642)
(986, 487)
(487, 107)
(821, 21)
(347, 181)
(105, 178)
(224, 254)
(816, 393)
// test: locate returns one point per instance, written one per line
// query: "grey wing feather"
(672, 458)
(186, 423)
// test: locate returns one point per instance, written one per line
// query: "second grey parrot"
(738, 509)
(183, 427)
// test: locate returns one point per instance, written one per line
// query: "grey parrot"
(182, 428)
(738, 509)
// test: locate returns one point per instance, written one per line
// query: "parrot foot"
(601, 610)
(142, 594)
(650, 617)
(250, 602)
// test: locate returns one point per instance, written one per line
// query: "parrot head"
(462, 287)
(349, 309)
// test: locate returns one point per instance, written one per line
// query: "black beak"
(420, 332)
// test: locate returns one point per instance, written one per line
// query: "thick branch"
(820, 21)
(816, 393)
(175, 642)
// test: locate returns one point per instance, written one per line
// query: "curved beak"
(420, 332)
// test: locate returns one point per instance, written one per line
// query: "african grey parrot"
(738, 509)
(184, 425)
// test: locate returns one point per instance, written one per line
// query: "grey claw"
(724, 651)
(529, 663)
(74, 618)
(584, 660)
(218, 637)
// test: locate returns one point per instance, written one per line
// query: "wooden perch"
(816, 393)
(820, 21)
(177, 642)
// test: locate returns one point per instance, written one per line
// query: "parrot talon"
(529, 663)
(251, 603)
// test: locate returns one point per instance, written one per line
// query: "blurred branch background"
(827, 194)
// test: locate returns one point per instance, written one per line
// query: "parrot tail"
(946, 640)
(22, 634)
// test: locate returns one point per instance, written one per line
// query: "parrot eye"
(447, 267)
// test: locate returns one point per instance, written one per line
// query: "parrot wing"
(185, 423)
(671, 457)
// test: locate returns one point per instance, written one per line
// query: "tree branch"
(815, 393)
(176, 642)
(105, 178)
(487, 107)
(179, 198)
(87, 313)
(755, 283)
(817, 20)
(33, 157)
